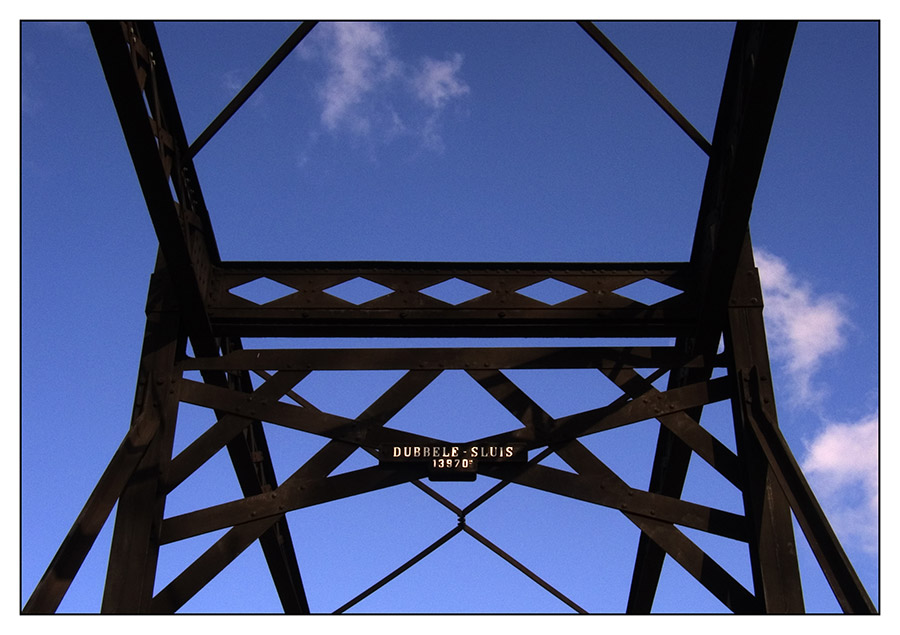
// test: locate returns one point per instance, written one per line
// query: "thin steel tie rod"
(644, 83)
(403, 567)
(261, 75)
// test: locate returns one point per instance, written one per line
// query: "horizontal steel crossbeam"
(599, 357)
(501, 304)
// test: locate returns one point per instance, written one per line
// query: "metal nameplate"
(452, 461)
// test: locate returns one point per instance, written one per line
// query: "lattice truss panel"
(202, 311)
(582, 475)
(465, 297)
(323, 291)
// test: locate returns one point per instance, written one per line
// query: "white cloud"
(803, 328)
(841, 460)
(359, 62)
(368, 91)
(842, 464)
(438, 81)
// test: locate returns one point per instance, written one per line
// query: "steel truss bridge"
(190, 300)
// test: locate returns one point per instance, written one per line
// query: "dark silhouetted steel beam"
(753, 79)
(134, 67)
(255, 82)
(633, 72)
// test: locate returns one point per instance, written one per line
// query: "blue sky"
(449, 141)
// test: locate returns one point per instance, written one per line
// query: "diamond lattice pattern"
(647, 291)
(359, 291)
(551, 291)
(454, 291)
(262, 291)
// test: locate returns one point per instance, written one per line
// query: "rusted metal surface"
(196, 296)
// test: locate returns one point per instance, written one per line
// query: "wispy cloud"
(843, 463)
(438, 81)
(359, 63)
(370, 92)
(841, 458)
(803, 327)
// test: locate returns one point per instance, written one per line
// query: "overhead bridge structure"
(193, 353)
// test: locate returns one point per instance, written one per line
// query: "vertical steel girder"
(135, 69)
(135, 544)
(780, 486)
(754, 75)
(773, 555)
(190, 299)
